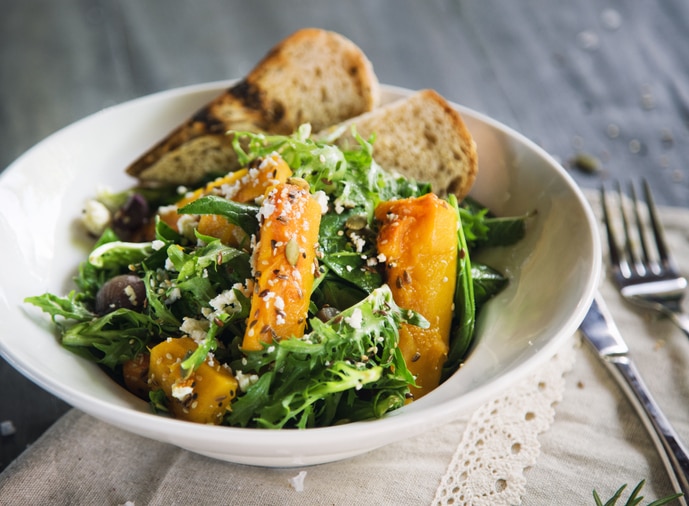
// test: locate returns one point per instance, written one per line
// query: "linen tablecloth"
(554, 437)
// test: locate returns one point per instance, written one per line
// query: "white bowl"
(554, 273)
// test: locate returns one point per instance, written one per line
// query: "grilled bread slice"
(420, 136)
(313, 76)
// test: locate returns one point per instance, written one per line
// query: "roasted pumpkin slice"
(204, 395)
(244, 185)
(284, 265)
(418, 237)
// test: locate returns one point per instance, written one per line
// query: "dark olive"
(125, 290)
(129, 218)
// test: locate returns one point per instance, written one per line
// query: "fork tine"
(633, 261)
(639, 224)
(663, 252)
(613, 249)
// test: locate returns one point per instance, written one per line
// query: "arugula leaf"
(503, 231)
(464, 320)
(113, 338)
(302, 381)
(242, 215)
(209, 344)
(482, 230)
(119, 254)
(351, 176)
(65, 307)
(488, 282)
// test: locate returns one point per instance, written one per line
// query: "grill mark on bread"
(313, 76)
(248, 94)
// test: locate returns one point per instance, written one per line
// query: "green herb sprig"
(634, 499)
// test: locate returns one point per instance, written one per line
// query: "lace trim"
(501, 439)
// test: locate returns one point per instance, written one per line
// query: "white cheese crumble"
(173, 296)
(322, 199)
(96, 217)
(297, 481)
(131, 295)
(355, 319)
(181, 391)
(224, 299)
(358, 242)
(186, 224)
(245, 380)
(157, 245)
(196, 329)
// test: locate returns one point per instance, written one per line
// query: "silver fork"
(646, 277)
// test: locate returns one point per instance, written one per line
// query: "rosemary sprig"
(634, 499)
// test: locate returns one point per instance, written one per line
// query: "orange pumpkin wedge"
(418, 237)
(204, 396)
(284, 264)
(244, 185)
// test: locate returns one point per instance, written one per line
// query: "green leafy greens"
(346, 367)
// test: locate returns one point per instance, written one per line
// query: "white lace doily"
(501, 439)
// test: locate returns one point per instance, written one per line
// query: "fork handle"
(667, 441)
(681, 320)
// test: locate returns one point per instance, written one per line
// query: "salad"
(311, 288)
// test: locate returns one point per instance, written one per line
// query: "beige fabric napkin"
(84, 461)
(596, 441)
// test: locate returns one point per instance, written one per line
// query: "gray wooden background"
(603, 85)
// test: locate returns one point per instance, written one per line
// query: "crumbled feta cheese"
(267, 208)
(297, 481)
(131, 295)
(358, 242)
(224, 299)
(245, 380)
(196, 329)
(186, 224)
(96, 217)
(157, 245)
(174, 295)
(322, 199)
(355, 319)
(182, 390)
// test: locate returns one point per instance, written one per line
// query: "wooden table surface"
(603, 82)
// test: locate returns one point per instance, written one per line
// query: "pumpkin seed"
(588, 164)
(292, 251)
(356, 222)
(300, 182)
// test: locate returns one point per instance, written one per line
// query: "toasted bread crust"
(422, 137)
(313, 76)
